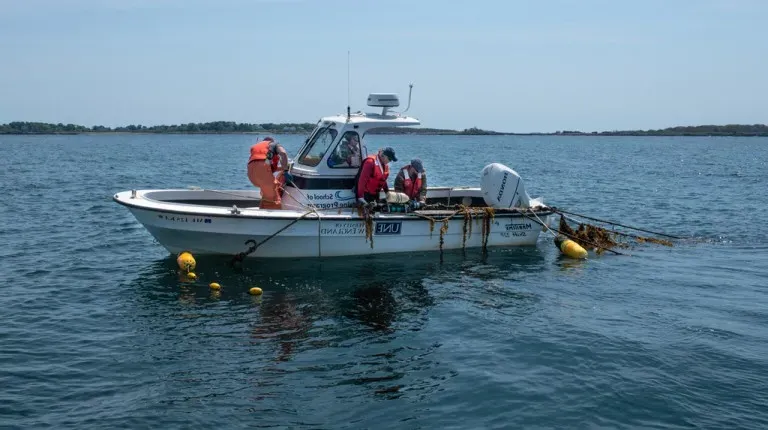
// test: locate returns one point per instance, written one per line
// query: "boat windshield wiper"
(318, 131)
(312, 137)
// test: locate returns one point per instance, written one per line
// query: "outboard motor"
(502, 187)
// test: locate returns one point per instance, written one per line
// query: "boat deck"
(253, 202)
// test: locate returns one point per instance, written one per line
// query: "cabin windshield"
(315, 150)
(347, 153)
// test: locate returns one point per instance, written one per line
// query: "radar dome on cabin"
(384, 101)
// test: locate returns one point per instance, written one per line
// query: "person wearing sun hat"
(412, 181)
(372, 176)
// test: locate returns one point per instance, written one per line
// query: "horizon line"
(311, 125)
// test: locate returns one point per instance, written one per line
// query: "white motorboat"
(319, 217)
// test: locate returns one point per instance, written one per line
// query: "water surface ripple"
(99, 332)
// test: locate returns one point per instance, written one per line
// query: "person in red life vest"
(373, 175)
(262, 166)
(412, 181)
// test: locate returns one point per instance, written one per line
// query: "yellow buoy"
(214, 286)
(570, 248)
(186, 261)
(255, 291)
(191, 275)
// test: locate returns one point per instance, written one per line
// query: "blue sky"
(504, 65)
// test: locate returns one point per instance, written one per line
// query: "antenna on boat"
(347, 85)
(410, 88)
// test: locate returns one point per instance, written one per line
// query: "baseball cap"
(390, 153)
(416, 164)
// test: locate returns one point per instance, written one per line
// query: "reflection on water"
(377, 292)
(570, 265)
(335, 323)
(373, 305)
(281, 321)
(365, 286)
(99, 330)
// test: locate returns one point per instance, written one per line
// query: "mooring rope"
(240, 256)
(573, 237)
(633, 236)
(561, 212)
(425, 216)
(310, 209)
(306, 206)
(544, 224)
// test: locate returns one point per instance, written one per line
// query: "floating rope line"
(570, 234)
(561, 212)
(640, 239)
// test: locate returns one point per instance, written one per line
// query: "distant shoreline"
(226, 127)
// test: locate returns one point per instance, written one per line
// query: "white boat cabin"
(325, 167)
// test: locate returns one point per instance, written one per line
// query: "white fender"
(394, 197)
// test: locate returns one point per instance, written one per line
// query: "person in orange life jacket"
(412, 181)
(262, 165)
(373, 175)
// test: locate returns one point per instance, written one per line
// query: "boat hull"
(341, 233)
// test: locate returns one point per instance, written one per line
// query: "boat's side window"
(318, 147)
(347, 153)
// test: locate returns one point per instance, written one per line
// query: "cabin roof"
(371, 120)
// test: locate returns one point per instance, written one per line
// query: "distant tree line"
(412, 130)
(229, 127)
(207, 127)
(697, 130)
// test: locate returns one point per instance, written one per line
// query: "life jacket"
(378, 178)
(411, 187)
(265, 150)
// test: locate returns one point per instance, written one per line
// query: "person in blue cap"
(412, 181)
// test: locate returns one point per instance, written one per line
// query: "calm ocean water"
(96, 331)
